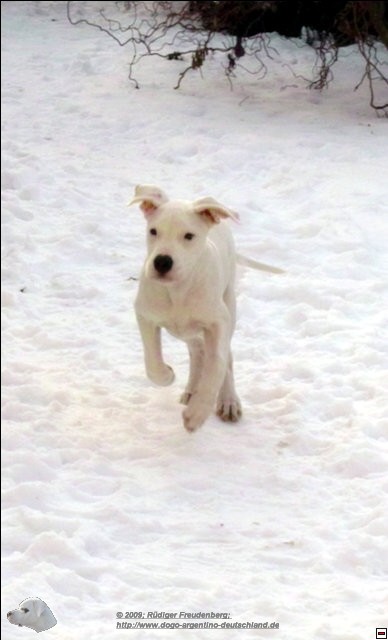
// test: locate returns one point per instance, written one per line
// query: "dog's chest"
(180, 318)
(184, 315)
(183, 329)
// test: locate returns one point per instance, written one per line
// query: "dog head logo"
(32, 613)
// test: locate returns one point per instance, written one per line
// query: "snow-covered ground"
(108, 504)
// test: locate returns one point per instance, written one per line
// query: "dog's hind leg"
(196, 351)
(228, 406)
(228, 403)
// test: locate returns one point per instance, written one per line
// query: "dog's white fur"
(194, 300)
(33, 613)
(187, 287)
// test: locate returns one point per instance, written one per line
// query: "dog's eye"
(25, 610)
(189, 236)
(153, 232)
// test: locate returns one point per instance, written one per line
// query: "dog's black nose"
(163, 264)
(9, 614)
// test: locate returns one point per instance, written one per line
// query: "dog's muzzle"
(163, 264)
(10, 617)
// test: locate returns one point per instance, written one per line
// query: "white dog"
(33, 613)
(187, 287)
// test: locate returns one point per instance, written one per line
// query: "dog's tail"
(260, 266)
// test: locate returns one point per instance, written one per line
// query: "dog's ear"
(150, 198)
(212, 211)
(38, 606)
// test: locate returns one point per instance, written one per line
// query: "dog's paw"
(229, 410)
(163, 376)
(194, 416)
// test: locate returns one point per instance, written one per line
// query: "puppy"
(33, 613)
(187, 287)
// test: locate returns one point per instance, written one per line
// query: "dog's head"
(32, 613)
(177, 232)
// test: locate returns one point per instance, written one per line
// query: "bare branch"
(190, 31)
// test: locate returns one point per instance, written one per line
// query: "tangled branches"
(169, 30)
(361, 23)
(194, 31)
(357, 21)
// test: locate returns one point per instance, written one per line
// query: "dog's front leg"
(216, 351)
(156, 369)
(196, 351)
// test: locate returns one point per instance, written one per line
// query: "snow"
(108, 504)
